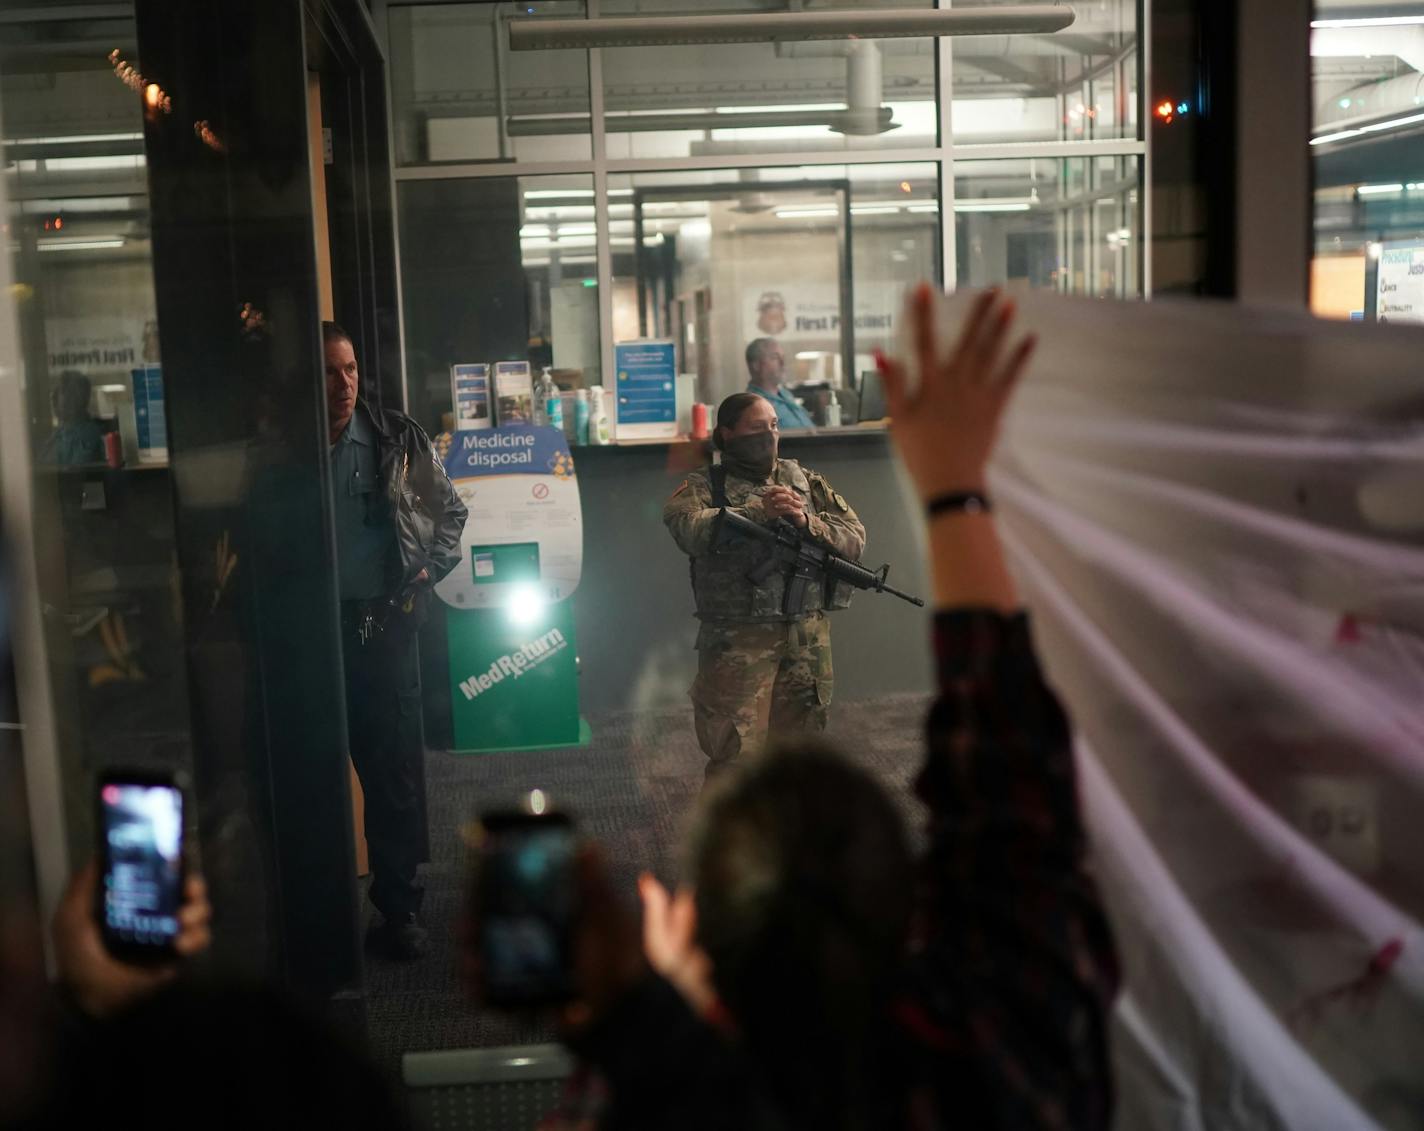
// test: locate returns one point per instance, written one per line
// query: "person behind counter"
(77, 438)
(398, 527)
(766, 365)
(763, 670)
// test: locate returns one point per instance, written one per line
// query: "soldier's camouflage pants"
(760, 683)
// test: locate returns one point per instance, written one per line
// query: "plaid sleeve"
(1014, 957)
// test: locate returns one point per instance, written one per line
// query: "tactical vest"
(724, 592)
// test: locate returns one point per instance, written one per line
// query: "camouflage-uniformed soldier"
(763, 669)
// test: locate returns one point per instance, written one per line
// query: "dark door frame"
(228, 154)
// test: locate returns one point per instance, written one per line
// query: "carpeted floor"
(632, 789)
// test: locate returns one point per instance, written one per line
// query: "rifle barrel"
(918, 602)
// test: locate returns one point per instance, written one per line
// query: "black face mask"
(751, 456)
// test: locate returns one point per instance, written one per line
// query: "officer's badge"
(840, 502)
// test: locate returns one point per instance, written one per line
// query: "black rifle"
(804, 559)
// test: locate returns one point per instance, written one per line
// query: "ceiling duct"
(754, 202)
(544, 34)
(695, 120)
(1404, 43)
(865, 116)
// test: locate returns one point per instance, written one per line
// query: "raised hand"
(945, 429)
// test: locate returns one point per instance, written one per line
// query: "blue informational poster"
(646, 387)
(149, 416)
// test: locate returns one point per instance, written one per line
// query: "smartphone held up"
(525, 907)
(140, 834)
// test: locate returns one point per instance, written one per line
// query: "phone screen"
(527, 907)
(142, 827)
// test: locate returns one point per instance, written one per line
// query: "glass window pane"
(77, 230)
(497, 269)
(1369, 180)
(1074, 85)
(1065, 224)
(459, 94)
(730, 257)
(687, 101)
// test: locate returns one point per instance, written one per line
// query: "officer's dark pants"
(383, 722)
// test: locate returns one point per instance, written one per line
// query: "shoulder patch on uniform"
(840, 501)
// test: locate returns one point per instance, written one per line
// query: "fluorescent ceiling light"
(1372, 190)
(74, 139)
(771, 27)
(800, 107)
(92, 164)
(556, 245)
(77, 244)
(113, 388)
(567, 212)
(874, 209)
(1372, 128)
(922, 208)
(805, 213)
(989, 206)
(80, 204)
(556, 193)
(1370, 21)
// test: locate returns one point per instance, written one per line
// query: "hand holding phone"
(545, 927)
(101, 984)
(140, 832)
(94, 956)
(524, 909)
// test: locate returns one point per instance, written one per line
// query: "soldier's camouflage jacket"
(719, 580)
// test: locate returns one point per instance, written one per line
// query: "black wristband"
(968, 502)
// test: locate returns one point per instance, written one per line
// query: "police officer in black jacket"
(398, 526)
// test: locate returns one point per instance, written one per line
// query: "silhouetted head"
(802, 880)
(70, 397)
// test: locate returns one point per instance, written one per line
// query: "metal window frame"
(944, 155)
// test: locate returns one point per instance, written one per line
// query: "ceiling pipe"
(1369, 102)
(874, 120)
(864, 115)
(770, 27)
